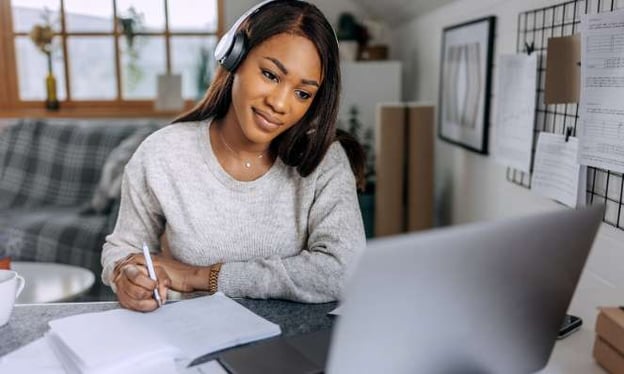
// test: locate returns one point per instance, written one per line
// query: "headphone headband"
(232, 47)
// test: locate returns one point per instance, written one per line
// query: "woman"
(255, 195)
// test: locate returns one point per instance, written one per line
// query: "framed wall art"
(465, 83)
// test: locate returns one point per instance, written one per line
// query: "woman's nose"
(277, 99)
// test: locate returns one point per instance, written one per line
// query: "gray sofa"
(59, 188)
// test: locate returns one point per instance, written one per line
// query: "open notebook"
(120, 340)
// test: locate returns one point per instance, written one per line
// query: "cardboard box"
(390, 164)
(420, 167)
(404, 164)
(610, 327)
(609, 345)
(608, 357)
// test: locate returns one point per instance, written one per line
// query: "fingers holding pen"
(140, 305)
(144, 286)
(177, 272)
(135, 289)
(141, 286)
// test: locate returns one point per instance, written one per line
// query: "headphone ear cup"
(236, 53)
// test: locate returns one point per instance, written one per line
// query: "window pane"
(192, 56)
(27, 13)
(32, 69)
(140, 65)
(89, 16)
(92, 68)
(193, 15)
(149, 15)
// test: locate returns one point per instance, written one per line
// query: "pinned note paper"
(601, 112)
(515, 110)
(557, 174)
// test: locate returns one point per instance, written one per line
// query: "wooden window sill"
(89, 113)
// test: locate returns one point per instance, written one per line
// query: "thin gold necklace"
(246, 162)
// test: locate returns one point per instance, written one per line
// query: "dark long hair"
(304, 145)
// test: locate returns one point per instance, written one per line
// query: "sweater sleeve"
(336, 236)
(140, 218)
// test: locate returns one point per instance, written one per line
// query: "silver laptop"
(479, 298)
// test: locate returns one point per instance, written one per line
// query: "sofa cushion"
(54, 164)
(108, 188)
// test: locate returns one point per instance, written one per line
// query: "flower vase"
(52, 102)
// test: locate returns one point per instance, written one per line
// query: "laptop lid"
(478, 298)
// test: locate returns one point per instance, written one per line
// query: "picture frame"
(465, 83)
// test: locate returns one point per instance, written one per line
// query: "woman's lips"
(264, 121)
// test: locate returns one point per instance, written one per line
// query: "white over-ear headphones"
(231, 48)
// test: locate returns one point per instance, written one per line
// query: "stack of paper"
(125, 341)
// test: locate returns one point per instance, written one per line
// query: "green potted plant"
(352, 37)
(203, 73)
(347, 37)
(129, 24)
(366, 198)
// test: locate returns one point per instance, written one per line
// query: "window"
(105, 54)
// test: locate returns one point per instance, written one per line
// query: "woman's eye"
(303, 95)
(267, 74)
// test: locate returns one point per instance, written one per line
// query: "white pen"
(151, 272)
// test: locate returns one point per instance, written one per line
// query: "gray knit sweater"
(279, 236)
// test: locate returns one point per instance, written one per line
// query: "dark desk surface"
(30, 321)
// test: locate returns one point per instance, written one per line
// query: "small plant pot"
(348, 50)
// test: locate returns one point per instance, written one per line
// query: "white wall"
(472, 187)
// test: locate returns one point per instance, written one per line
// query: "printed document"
(601, 135)
(557, 174)
(515, 110)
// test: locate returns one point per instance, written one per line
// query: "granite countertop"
(30, 321)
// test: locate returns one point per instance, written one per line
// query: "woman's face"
(275, 86)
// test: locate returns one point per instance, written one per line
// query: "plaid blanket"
(48, 173)
(54, 164)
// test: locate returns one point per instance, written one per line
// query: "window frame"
(12, 106)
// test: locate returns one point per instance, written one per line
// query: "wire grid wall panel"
(535, 27)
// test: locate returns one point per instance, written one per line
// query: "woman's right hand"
(135, 289)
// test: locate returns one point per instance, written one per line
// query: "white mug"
(11, 285)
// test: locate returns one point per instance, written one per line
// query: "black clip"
(568, 133)
(529, 48)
